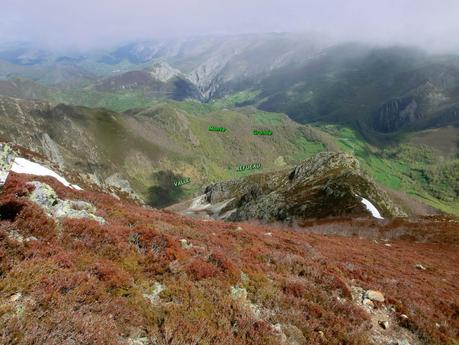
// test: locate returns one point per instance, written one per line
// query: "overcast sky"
(85, 24)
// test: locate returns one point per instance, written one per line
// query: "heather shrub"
(111, 274)
(17, 185)
(219, 260)
(199, 269)
(295, 288)
(33, 221)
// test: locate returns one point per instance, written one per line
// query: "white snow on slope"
(199, 204)
(24, 166)
(370, 207)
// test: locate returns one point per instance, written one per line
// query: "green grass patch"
(419, 171)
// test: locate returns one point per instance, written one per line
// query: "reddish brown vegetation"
(200, 269)
(296, 288)
(82, 282)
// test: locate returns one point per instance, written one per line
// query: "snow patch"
(370, 207)
(24, 166)
(199, 204)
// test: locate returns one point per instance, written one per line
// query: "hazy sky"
(92, 23)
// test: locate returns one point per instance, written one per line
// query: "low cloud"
(87, 24)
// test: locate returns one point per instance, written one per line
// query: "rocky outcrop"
(163, 71)
(329, 184)
(46, 197)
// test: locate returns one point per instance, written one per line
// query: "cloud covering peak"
(89, 24)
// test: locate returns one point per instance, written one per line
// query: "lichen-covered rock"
(76, 210)
(328, 184)
(44, 196)
(153, 295)
(121, 184)
(240, 294)
(6, 160)
(47, 198)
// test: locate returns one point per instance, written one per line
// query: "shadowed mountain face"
(385, 90)
(159, 81)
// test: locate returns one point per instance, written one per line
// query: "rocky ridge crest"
(327, 185)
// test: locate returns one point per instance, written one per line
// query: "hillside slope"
(154, 147)
(139, 276)
(145, 151)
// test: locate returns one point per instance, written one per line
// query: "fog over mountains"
(86, 24)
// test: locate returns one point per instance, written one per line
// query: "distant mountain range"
(395, 108)
(385, 90)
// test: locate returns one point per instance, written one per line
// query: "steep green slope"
(418, 170)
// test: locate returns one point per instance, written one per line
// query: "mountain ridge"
(326, 185)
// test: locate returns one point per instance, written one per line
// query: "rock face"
(329, 184)
(397, 113)
(417, 106)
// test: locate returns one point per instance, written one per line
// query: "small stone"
(185, 244)
(175, 267)
(404, 317)
(239, 228)
(31, 239)
(388, 244)
(368, 303)
(277, 328)
(384, 324)
(375, 295)
(268, 234)
(238, 293)
(14, 235)
(153, 296)
(437, 325)
(420, 267)
(138, 341)
(16, 297)
(321, 333)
